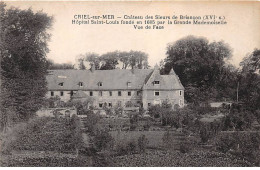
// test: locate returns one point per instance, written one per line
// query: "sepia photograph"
(129, 83)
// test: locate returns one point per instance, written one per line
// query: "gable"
(166, 82)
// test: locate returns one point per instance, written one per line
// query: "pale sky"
(241, 32)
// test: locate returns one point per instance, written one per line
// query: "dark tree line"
(206, 74)
(56, 66)
(23, 51)
(112, 60)
(107, 61)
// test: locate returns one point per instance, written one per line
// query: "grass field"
(154, 137)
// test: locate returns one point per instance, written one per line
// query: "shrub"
(126, 147)
(91, 122)
(131, 147)
(205, 134)
(168, 140)
(185, 147)
(142, 143)
(225, 142)
(44, 134)
(103, 140)
(245, 145)
(156, 111)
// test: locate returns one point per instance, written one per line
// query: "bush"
(168, 140)
(91, 121)
(205, 134)
(102, 140)
(126, 147)
(131, 147)
(245, 145)
(185, 148)
(44, 134)
(142, 143)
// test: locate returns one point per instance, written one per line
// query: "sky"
(68, 41)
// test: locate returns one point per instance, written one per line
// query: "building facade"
(117, 87)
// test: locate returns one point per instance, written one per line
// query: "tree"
(93, 59)
(57, 66)
(198, 63)
(249, 80)
(138, 59)
(251, 63)
(110, 60)
(81, 64)
(23, 51)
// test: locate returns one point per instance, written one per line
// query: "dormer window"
(100, 84)
(156, 82)
(128, 84)
(80, 84)
(61, 84)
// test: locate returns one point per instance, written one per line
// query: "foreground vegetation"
(162, 158)
(44, 141)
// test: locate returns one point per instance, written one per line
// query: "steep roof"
(116, 79)
(166, 82)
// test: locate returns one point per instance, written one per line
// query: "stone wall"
(147, 97)
(66, 95)
(174, 97)
(115, 99)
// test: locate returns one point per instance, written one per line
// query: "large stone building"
(117, 87)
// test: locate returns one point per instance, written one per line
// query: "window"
(156, 82)
(91, 93)
(61, 84)
(157, 93)
(110, 93)
(180, 92)
(61, 93)
(80, 84)
(100, 105)
(180, 102)
(110, 104)
(138, 93)
(52, 93)
(129, 93)
(100, 93)
(100, 84)
(128, 84)
(119, 93)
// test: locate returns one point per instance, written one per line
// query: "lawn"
(155, 138)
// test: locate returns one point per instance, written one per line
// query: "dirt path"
(84, 134)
